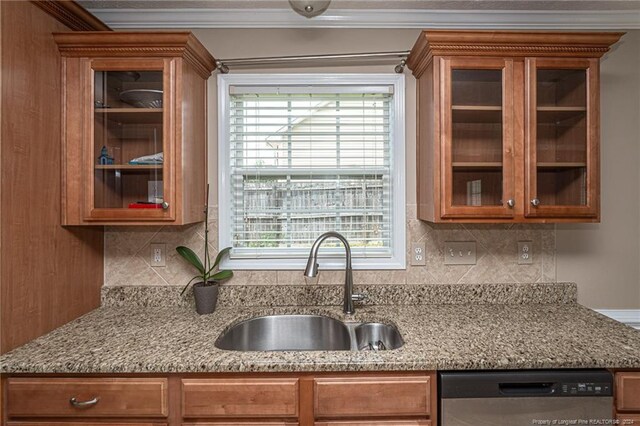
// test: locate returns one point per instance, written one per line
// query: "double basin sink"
(308, 333)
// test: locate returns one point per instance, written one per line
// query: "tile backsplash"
(128, 256)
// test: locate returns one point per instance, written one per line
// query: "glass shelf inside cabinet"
(128, 139)
(561, 145)
(476, 144)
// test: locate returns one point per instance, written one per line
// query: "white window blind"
(306, 159)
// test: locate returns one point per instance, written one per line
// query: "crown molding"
(125, 44)
(72, 15)
(573, 44)
(343, 18)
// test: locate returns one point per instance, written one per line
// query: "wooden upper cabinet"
(134, 127)
(562, 138)
(508, 125)
(476, 141)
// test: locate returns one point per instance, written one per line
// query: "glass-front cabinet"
(135, 127)
(562, 138)
(128, 155)
(477, 138)
(508, 125)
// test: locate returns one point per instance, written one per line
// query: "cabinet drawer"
(121, 397)
(628, 391)
(81, 424)
(240, 398)
(371, 396)
(376, 423)
(243, 424)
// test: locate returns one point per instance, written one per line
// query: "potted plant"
(205, 290)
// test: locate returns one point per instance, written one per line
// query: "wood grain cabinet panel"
(372, 396)
(81, 424)
(243, 424)
(628, 391)
(262, 398)
(116, 397)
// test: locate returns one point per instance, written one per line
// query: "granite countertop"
(130, 338)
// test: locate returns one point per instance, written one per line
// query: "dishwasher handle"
(526, 389)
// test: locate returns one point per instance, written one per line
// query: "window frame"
(333, 260)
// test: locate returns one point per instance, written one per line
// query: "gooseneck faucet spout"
(312, 269)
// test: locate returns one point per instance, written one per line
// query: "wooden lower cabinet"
(243, 424)
(376, 423)
(256, 397)
(87, 397)
(627, 397)
(261, 399)
(350, 397)
(81, 424)
(628, 391)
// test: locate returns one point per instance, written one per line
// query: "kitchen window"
(303, 154)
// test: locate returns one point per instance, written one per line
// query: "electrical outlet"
(460, 253)
(525, 252)
(418, 254)
(158, 252)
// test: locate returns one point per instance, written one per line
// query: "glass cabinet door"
(128, 156)
(477, 131)
(562, 167)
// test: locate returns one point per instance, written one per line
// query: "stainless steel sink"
(287, 333)
(377, 337)
(307, 333)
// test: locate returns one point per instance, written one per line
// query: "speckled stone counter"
(159, 339)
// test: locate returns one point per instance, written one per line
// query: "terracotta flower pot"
(206, 297)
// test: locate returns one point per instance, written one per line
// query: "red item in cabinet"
(145, 206)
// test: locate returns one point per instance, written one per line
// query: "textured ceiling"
(372, 4)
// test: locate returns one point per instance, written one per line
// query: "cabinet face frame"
(591, 209)
(168, 68)
(447, 209)
(627, 384)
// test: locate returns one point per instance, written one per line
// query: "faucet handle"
(359, 297)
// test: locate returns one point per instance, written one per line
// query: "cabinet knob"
(83, 404)
(511, 202)
(535, 202)
(165, 205)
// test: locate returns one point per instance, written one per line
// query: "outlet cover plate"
(460, 253)
(418, 254)
(158, 254)
(525, 252)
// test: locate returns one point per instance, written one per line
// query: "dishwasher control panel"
(580, 389)
(526, 383)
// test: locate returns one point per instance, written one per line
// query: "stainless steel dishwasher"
(519, 398)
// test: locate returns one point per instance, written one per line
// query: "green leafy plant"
(208, 273)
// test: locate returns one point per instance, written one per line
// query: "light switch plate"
(460, 253)
(418, 254)
(525, 252)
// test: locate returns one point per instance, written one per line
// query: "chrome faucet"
(312, 270)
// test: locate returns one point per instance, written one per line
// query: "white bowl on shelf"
(142, 98)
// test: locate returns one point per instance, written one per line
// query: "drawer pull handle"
(84, 404)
